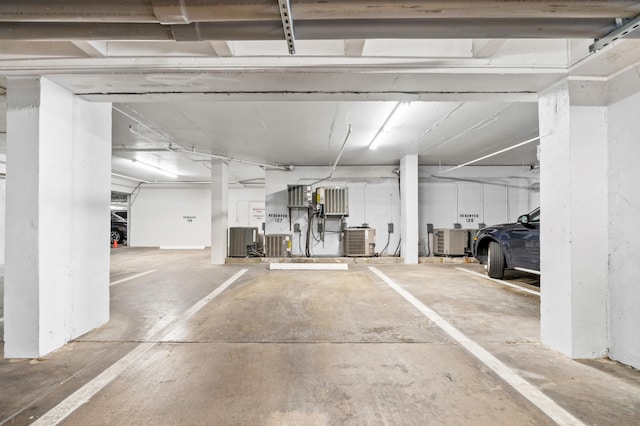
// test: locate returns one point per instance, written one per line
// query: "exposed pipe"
(333, 168)
(311, 30)
(237, 160)
(181, 149)
(124, 148)
(447, 178)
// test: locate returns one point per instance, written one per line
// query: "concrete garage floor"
(312, 348)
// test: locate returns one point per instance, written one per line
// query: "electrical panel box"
(299, 196)
(359, 242)
(242, 240)
(277, 245)
(450, 242)
(332, 201)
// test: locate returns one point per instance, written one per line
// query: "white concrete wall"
(246, 206)
(170, 216)
(624, 217)
(497, 195)
(474, 195)
(156, 218)
(373, 199)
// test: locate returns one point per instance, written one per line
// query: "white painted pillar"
(574, 232)
(409, 208)
(57, 217)
(219, 212)
(624, 217)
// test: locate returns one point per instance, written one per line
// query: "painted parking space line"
(501, 282)
(133, 277)
(526, 389)
(90, 389)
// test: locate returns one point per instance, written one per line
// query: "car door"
(525, 244)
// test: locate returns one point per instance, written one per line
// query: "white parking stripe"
(526, 389)
(86, 392)
(505, 283)
(132, 277)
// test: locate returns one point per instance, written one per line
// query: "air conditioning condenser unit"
(359, 242)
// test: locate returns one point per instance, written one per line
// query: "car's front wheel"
(495, 262)
(116, 236)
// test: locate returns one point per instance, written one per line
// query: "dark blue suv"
(510, 246)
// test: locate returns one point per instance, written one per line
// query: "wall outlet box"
(429, 228)
(390, 228)
(296, 227)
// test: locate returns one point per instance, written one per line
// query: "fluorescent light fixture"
(493, 154)
(155, 169)
(392, 121)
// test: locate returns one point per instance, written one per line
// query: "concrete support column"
(219, 212)
(574, 231)
(624, 217)
(409, 208)
(57, 218)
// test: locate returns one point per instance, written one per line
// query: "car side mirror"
(524, 219)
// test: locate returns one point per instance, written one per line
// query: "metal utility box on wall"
(277, 245)
(359, 242)
(242, 240)
(299, 196)
(332, 201)
(450, 242)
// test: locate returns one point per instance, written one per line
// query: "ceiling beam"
(354, 47)
(487, 48)
(93, 49)
(180, 11)
(221, 49)
(339, 29)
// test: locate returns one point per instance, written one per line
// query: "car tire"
(116, 236)
(495, 261)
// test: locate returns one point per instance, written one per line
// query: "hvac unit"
(332, 201)
(359, 242)
(299, 196)
(277, 245)
(450, 242)
(242, 240)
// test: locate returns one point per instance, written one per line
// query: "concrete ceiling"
(217, 78)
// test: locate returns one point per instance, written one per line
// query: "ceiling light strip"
(152, 168)
(385, 126)
(618, 33)
(494, 154)
(287, 25)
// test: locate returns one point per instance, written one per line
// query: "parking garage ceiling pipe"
(335, 164)
(233, 159)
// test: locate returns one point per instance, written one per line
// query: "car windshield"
(534, 216)
(116, 218)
